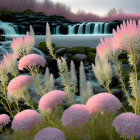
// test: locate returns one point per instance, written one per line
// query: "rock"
(60, 51)
(79, 57)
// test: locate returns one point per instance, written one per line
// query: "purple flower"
(50, 133)
(127, 124)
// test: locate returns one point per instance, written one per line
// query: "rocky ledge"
(38, 21)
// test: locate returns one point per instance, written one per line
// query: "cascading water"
(87, 31)
(80, 29)
(106, 26)
(87, 28)
(57, 30)
(8, 28)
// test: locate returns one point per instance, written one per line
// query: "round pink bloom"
(127, 36)
(26, 120)
(50, 133)
(30, 61)
(127, 124)
(51, 99)
(17, 84)
(103, 102)
(75, 116)
(4, 119)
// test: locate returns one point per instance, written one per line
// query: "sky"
(101, 7)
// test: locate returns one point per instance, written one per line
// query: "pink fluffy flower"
(17, 84)
(50, 133)
(22, 46)
(127, 124)
(26, 120)
(127, 36)
(75, 116)
(51, 99)
(103, 102)
(30, 61)
(105, 49)
(4, 119)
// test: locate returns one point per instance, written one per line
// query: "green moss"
(91, 56)
(77, 50)
(43, 48)
(91, 50)
(28, 11)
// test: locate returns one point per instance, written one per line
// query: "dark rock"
(79, 57)
(60, 51)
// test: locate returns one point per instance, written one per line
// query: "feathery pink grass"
(17, 84)
(26, 120)
(51, 99)
(22, 46)
(127, 36)
(4, 120)
(104, 49)
(103, 102)
(127, 124)
(75, 116)
(31, 60)
(50, 133)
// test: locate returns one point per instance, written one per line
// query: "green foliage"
(28, 11)
(77, 50)
(91, 56)
(43, 48)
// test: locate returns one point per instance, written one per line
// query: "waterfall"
(71, 29)
(101, 27)
(86, 28)
(80, 29)
(106, 28)
(57, 30)
(87, 31)
(96, 28)
(8, 28)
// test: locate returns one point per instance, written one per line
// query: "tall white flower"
(48, 40)
(102, 70)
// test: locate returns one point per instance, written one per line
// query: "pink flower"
(26, 120)
(127, 36)
(50, 133)
(51, 99)
(31, 60)
(9, 61)
(4, 119)
(17, 84)
(75, 115)
(104, 49)
(103, 102)
(127, 124)
(22, 46)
